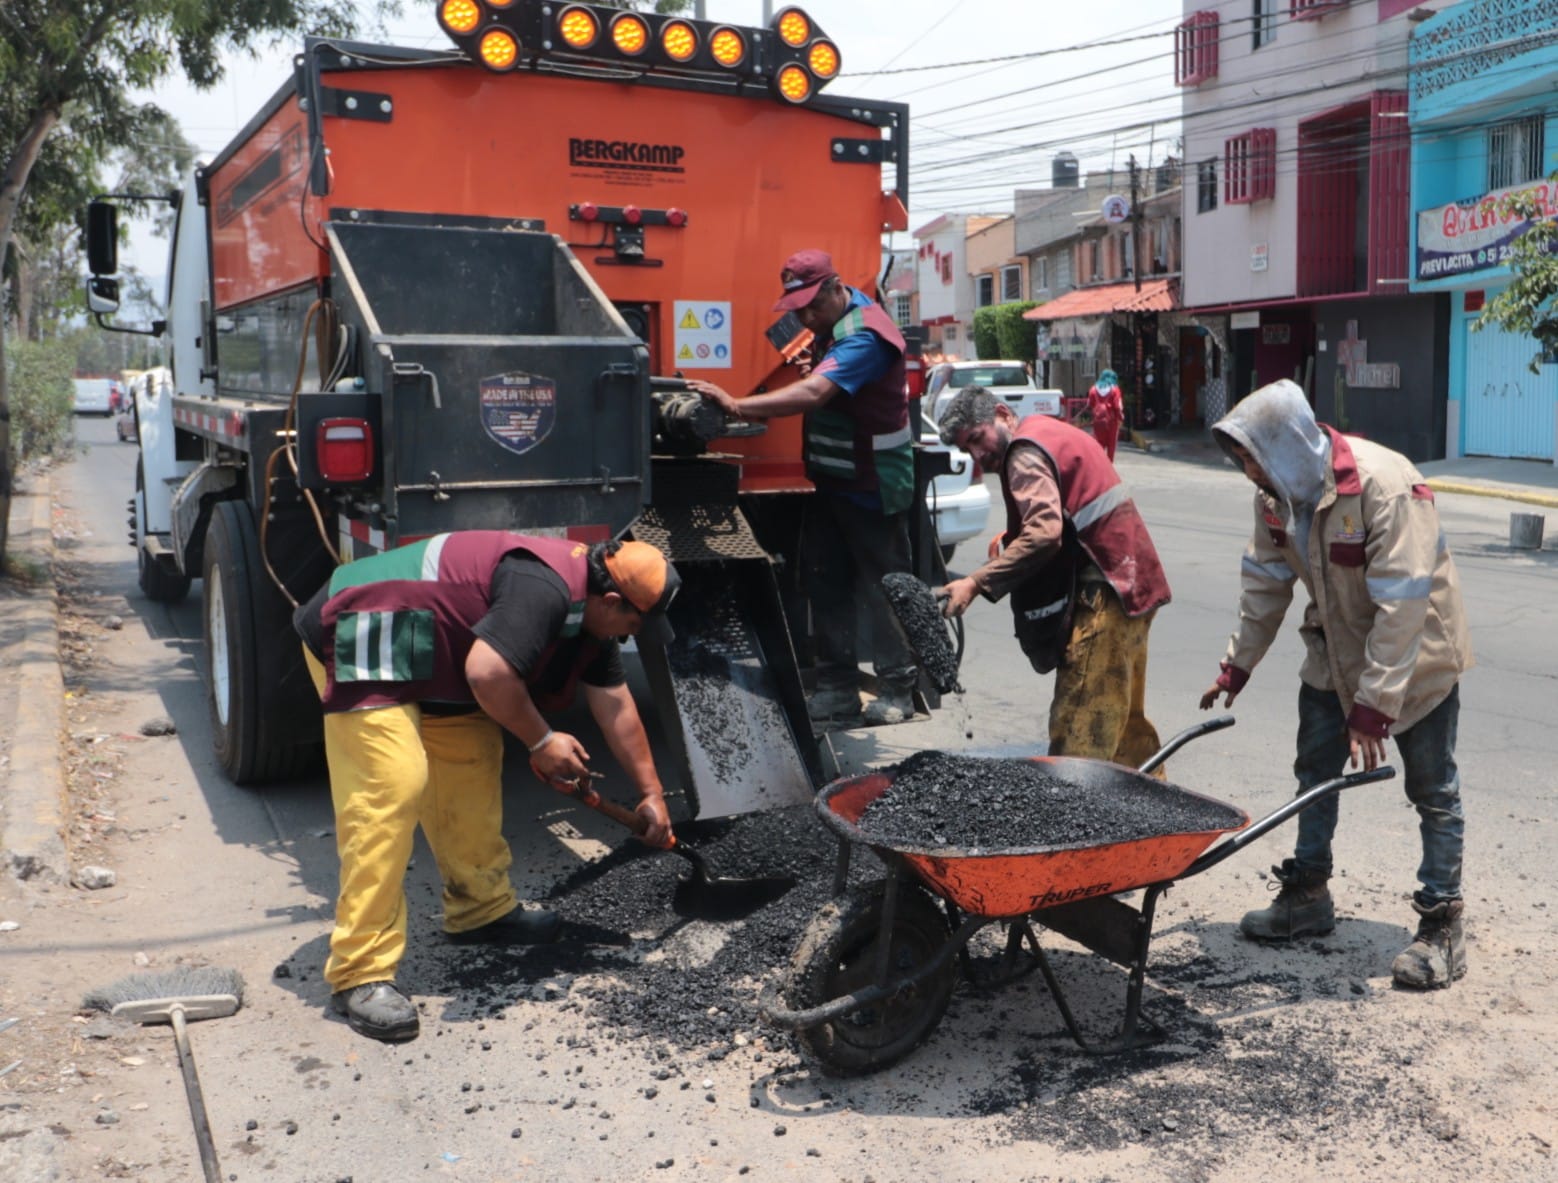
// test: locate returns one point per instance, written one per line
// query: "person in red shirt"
(1108, 411)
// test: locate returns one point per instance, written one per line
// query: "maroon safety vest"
(397, 626)
(863, 442)
(1108, 526)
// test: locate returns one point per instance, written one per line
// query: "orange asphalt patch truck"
(450, 289)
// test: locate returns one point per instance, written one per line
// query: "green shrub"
(987, 341)
(42, 396)
(1001, 332)
(1018, 341)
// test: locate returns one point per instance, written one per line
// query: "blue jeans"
(1428, 754)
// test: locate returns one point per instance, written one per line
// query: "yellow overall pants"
(392, 768)
(1099, 709)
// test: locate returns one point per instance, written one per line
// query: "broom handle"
(197, 1101)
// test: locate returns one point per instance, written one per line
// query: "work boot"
(1438, 955)
(538, 926)
(893, 705)
(1303, 907)
(378, 1010)
(836, 704)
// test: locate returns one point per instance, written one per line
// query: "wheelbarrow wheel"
(837, 955)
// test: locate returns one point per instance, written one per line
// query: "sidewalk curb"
(32, 843)
(1440, 485)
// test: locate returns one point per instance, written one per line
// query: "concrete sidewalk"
(32, 786)
(1532, 482)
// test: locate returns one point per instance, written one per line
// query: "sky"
(995, 88)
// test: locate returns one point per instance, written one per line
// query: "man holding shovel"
(1082, 572)
(423, 656)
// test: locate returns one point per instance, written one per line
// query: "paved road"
(1281, 1061)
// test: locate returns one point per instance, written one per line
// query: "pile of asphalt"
(980, 804)
(925, 628)
(637, 956)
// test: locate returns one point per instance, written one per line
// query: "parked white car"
(958, 501)
(1007, 380)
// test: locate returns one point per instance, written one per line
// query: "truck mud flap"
(727, 689)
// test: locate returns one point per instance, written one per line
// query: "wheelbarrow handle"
(1274, 819)
(1184, 737)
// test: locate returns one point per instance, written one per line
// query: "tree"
(68, 69)
(1526, 305)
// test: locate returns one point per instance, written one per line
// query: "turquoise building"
(1483, 112)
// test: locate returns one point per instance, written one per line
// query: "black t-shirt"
(528, 610)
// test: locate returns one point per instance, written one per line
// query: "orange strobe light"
(728, 48)
(578, 27)
(459, 16)
(498, 50)
(794, 27)
(630, 35)
(823, 58)
(793, 84)
(679, 41)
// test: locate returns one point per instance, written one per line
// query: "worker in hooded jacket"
(1386, 644)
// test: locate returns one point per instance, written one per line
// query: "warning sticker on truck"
(518, 410)
(702, 338)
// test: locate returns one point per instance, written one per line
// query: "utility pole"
(1136, 317)
(1135, 222)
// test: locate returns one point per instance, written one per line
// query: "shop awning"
(1156, 295)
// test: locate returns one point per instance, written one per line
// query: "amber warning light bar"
(792, 57)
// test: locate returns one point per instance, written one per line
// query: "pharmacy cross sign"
(1353, 357)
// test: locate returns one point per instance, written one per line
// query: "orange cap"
(646, 580)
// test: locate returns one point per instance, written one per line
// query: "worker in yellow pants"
(423, 656)
(391, 769)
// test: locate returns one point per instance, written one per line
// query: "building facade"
(943, 283)
(1484, 115)
(1296, 212)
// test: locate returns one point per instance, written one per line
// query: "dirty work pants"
(1099, 709)
(1432, 784)
(392, 768)
(848, 550)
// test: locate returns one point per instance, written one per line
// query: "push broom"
(178, 996)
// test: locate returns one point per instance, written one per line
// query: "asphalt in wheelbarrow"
(987, 805)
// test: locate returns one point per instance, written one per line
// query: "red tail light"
(914, 376)
(344, 448)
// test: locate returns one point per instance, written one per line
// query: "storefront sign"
(1353, 356)
(1244, 320)
(1259, 256)
(1459, 239)
(1276, 334)
(1116, 209)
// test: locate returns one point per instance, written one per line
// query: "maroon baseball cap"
(804, 272)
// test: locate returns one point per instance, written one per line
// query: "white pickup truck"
(1007, 380)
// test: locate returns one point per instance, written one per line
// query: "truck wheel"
(264, 710)
(157, 582)
(837, 955)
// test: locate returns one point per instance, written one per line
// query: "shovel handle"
(587, 795)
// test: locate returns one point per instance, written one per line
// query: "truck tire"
(837, 956)
(264, 710)
(157, 582)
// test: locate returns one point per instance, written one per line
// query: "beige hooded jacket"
(1356, 523)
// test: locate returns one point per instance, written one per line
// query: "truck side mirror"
(102, 295)
(103, 240)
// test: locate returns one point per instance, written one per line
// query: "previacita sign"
(1465, 237)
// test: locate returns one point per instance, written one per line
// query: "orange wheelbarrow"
(875, 969)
